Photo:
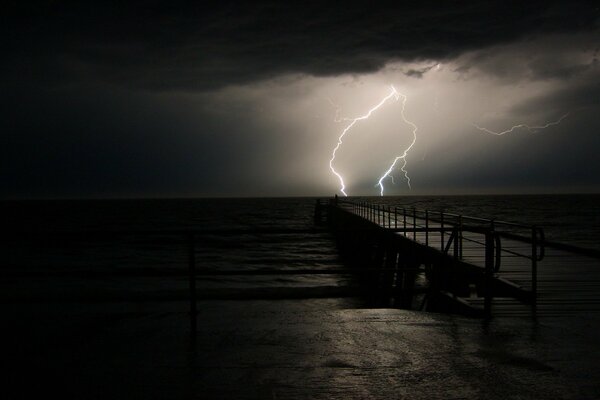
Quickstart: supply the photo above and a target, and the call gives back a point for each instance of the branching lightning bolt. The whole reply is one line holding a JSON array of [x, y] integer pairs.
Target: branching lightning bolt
[[405, 153], [393, 95], [521, 126]]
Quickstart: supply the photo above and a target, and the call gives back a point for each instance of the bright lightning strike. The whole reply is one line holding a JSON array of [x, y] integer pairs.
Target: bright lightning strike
[[393, 95], [522, 126], [405, 153]]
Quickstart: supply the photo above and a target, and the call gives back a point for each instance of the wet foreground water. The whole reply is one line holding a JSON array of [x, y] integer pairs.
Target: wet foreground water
[[294, 349]]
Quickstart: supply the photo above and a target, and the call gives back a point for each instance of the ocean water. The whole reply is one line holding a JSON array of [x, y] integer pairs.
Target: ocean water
[[78, 261], [95, 247]]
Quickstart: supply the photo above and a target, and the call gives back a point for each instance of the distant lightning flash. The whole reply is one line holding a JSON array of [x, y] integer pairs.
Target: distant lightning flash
[[394, 95], [522, 126], [404, 154]]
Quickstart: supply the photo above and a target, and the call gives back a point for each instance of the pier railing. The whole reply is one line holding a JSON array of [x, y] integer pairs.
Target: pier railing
[[497, 246]]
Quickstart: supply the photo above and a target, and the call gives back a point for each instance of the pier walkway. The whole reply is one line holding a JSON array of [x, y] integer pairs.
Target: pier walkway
[[483, 266]]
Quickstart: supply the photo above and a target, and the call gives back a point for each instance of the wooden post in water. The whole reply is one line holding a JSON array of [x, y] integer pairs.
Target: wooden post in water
[[192, 283], [442, 231], [460, 238], [456, 247], [426, 227], [534, 255], [414, 224], [489, 268]]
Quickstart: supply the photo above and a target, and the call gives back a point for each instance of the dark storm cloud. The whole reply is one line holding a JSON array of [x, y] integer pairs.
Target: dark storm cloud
[[204, 45], [92, 93], [549, 57], [419, 72]]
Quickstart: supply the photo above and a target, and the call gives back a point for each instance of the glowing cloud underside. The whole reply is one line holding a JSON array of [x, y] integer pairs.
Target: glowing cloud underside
[[392, 96], [521, 126]]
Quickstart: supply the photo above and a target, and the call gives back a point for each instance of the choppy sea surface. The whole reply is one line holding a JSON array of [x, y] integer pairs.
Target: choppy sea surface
[[113, 236]]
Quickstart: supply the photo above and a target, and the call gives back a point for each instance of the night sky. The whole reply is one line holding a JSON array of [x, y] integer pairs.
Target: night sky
[[155, 99]]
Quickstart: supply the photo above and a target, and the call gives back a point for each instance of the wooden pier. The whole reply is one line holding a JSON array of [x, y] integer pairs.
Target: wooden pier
[[437, 261]]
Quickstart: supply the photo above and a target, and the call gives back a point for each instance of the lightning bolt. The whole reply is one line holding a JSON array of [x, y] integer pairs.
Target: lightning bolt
[[532, 129], [393, 95], [405, 153]]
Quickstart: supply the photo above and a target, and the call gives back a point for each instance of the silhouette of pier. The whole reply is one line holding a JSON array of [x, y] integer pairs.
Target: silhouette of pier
[[439, 261]]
